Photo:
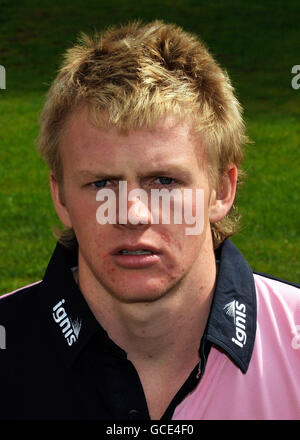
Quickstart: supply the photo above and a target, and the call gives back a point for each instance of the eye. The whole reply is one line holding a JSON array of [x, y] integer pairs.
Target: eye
[[100, 183], [165, 180]]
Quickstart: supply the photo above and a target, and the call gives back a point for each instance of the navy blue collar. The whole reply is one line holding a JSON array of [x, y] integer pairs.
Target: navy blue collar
[[232, 321]]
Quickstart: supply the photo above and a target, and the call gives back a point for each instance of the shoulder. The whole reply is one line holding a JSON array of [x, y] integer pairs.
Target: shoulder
[[19, 294], [277, 281], [278, 310], [278, 291], [14, 304]]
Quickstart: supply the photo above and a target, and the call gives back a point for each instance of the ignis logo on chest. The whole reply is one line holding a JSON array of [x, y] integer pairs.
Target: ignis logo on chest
[[70, 329], [238, 313]]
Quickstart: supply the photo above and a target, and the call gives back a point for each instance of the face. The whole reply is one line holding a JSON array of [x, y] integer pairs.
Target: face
[[164, 158]]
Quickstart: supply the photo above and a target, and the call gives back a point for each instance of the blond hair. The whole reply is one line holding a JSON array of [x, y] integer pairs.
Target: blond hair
[[138, 74]]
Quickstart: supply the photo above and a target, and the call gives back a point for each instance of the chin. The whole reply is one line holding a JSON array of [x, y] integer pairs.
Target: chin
[[145, 292]]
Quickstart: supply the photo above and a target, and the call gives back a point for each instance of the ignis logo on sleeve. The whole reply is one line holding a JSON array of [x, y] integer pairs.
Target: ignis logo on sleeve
[[70, 329], [238, 313]]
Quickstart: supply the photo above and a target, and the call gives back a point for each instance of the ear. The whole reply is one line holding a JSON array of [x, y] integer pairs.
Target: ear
[[59, 204], [221, 202]]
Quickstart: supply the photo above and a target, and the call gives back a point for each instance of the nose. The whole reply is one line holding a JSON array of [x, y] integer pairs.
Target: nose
[[134, 211]]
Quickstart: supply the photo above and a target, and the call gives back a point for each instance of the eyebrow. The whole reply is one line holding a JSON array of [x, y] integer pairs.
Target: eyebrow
[[184, 172], [96, 175]]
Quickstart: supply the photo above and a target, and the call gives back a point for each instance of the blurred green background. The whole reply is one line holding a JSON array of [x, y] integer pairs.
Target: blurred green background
[[256, 42]]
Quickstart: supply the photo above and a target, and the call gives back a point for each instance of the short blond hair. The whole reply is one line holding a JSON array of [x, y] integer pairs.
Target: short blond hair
[[138, 74]]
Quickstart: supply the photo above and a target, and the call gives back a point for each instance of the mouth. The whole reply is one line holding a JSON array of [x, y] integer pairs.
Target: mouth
[[136, 257], [138, 249], [138, 252]]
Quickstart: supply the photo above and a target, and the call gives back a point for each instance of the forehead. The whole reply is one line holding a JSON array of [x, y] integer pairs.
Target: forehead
[[169, 142]]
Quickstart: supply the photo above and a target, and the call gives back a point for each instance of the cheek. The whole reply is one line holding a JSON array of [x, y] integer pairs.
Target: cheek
[[83, 217], [97, 253], [196, 204], [188, 247], [173, 239], [183, 249], [108, 271]]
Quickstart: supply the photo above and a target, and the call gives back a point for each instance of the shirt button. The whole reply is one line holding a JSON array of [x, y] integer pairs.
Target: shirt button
[[133, 414]]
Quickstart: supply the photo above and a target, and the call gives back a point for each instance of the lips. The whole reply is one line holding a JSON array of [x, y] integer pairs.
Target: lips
[[137, 249], [138, 252], [138, 256]]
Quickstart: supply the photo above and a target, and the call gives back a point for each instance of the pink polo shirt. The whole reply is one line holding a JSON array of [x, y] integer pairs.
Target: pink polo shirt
[[270, 388]]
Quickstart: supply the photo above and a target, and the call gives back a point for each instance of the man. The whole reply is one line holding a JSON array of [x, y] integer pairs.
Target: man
[[137, 318]]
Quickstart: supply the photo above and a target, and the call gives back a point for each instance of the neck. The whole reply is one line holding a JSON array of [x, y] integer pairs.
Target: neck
[[162, 330]]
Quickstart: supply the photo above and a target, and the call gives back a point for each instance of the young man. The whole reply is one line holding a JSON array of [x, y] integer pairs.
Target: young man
[[137, 317]]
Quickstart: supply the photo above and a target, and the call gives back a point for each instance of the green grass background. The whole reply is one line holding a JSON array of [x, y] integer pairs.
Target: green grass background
[[257, 42]]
